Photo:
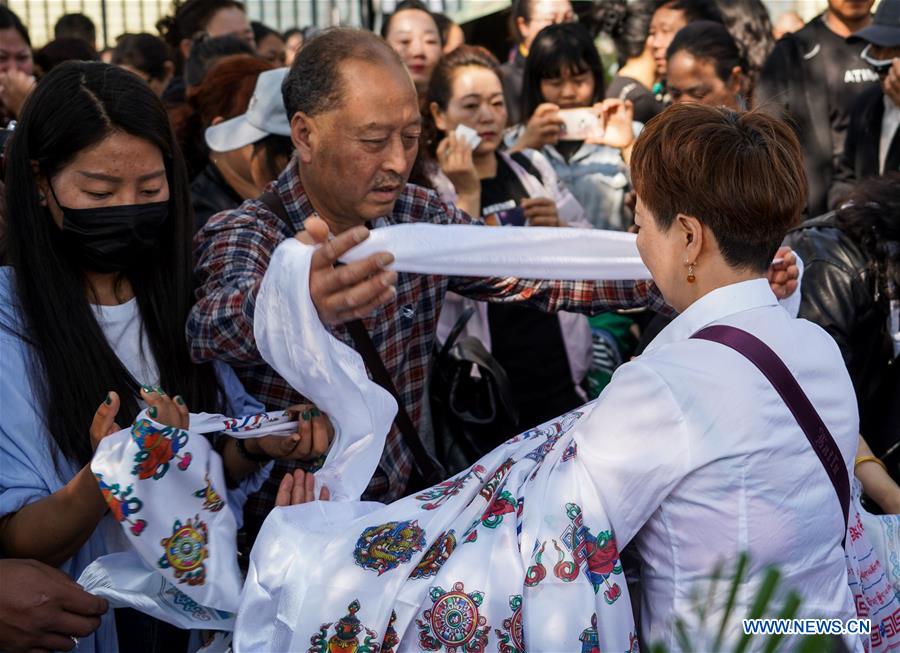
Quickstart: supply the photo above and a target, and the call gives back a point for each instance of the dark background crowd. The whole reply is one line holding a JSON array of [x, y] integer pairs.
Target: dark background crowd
[[835, 80]]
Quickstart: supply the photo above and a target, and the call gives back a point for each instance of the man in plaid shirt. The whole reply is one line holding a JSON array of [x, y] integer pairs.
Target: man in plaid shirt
[[355, 123]]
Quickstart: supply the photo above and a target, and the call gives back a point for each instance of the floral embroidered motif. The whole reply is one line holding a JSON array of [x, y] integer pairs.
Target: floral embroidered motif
[[596, 555], [122, 505], [158, 447], [211, 500], [492, 517]]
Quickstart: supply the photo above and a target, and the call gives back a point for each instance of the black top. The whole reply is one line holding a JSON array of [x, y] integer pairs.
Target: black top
[[861, 148], [528, 343], [846, 77], [813, 78], [839, 295], [210, 194], [646, 104]]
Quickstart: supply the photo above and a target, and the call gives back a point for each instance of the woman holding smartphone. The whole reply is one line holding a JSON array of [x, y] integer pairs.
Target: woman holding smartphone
[[545, 356], [562, 101]]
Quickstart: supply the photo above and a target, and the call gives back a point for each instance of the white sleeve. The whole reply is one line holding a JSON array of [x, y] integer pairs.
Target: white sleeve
[[634, 446]]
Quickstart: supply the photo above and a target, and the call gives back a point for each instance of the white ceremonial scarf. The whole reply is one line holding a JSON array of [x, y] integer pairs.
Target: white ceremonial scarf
[[525, 252], [165, 485], [337, 572], [166, 488]]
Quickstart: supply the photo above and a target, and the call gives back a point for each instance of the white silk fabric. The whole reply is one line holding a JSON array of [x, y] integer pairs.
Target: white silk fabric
[[166, 488], [534, 559], [525, 252]]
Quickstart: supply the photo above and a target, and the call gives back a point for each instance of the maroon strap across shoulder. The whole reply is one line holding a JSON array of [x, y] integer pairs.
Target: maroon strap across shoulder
[[774, 369]]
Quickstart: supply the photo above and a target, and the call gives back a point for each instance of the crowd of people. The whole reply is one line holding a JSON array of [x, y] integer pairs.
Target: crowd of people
[[149, 187]]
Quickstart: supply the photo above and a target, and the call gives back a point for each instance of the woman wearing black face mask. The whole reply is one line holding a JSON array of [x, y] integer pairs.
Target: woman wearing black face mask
[[92, 309]]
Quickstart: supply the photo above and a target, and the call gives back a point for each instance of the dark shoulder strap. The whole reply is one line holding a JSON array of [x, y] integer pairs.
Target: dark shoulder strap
[[772, 367], [276, 206], [526, 163], [430, 470]]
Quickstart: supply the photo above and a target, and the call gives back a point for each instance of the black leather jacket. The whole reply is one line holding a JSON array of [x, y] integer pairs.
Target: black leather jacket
[[211, 194], [839, 294]]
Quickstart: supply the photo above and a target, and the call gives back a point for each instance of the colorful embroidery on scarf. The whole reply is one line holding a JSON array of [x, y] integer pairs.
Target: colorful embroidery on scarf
[[536, 572], [453, 622], [633, 646], [590, 638], [158, 447], [122, 505], [492, 517], [391, 638], [248, 423], [345, 638], [565, 570], [387, 546], [512, 638], [211, 500], [436, 556], [570, 452], [442, 492], [185, 551], [597, 555], [487, 492]]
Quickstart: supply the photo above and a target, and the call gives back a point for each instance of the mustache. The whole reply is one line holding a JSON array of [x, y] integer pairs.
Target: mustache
[[388, 180]]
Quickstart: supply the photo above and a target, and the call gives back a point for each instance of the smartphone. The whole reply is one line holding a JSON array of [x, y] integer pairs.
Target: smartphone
[[505, 214], [577, 124]]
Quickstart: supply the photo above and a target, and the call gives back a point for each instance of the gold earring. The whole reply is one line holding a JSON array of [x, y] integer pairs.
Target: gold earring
[[690, 277]]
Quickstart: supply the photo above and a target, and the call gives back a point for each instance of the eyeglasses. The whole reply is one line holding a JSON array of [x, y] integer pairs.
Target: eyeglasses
[[880, 66]]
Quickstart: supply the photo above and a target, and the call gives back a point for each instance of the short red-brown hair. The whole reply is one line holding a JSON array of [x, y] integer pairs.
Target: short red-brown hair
[[740, 174]]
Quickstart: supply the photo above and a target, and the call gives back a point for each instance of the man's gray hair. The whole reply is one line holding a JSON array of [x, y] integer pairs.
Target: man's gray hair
[[314, 84]]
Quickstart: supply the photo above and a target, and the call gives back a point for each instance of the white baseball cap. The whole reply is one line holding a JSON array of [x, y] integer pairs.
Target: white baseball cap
[[265, 116]]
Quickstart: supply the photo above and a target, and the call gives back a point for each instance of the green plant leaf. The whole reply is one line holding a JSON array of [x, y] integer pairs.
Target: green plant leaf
[[736, 581], [788, 611], [766, 591]]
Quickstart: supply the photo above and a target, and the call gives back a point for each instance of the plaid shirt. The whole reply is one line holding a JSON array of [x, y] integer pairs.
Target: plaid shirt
[[233, 251]]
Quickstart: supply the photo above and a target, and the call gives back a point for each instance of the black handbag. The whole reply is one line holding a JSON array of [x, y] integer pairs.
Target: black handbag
[[472, 405]]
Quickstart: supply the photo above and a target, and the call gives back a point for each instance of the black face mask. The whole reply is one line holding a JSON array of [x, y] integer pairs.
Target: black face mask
[[111, 238]]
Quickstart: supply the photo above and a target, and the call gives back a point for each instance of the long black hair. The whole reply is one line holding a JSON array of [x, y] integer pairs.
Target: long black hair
[[628, 23], [869, 218], [710, 41], [8, 19], [750, 26], [556, 48], [75, 107]]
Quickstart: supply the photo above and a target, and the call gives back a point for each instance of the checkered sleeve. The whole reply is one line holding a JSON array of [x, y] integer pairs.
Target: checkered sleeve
[[232, 252], [575, 296]]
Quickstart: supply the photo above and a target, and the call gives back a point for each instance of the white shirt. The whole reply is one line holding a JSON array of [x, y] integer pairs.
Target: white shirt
[[699, 459], [124, 332], [889, 123]]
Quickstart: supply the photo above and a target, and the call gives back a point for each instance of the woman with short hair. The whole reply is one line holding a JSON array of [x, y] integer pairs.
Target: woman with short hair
[[698, 451]]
